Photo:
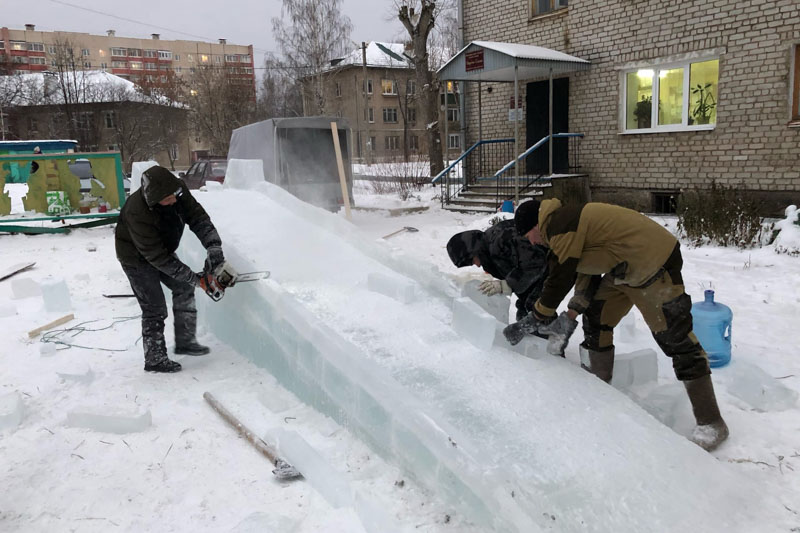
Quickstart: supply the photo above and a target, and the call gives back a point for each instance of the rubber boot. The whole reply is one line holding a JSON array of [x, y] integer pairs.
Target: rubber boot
[[155, 347], [711, 429], [185, 330], [600, 363]]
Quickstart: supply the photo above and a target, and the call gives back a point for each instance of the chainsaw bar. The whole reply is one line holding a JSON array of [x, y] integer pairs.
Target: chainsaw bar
[[250, 276]]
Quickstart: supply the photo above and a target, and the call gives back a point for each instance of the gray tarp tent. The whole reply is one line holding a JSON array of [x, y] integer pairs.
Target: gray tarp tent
[[299, 156]]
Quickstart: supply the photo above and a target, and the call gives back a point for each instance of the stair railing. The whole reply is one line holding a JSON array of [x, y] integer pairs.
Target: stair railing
[[471, 165]]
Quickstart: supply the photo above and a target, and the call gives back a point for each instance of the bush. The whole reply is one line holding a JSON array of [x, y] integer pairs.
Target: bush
[[720, 215], [401, 178]]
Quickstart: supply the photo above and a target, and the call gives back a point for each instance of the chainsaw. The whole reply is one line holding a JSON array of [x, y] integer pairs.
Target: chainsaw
[[224, 276]]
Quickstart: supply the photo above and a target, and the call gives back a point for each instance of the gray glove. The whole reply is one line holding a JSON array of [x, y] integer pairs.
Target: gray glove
[[515, 332], [558, 332], [492, 287], [215, 258]]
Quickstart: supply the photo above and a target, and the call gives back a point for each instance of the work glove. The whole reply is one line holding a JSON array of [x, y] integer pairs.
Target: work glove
[[215, 258], [558, 333], [492, 287], [528, 325]]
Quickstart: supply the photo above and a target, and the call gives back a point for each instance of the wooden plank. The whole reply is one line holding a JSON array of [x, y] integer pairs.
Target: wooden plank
[[16, 269], [63, 320], [340, 164]]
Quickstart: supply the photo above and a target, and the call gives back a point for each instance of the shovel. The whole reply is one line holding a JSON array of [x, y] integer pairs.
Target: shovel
[[406, 228]]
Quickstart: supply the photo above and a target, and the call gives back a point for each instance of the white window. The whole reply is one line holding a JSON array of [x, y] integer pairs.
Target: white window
[[87, 64], [151, 53], [539, 7], [164, 54], [119, 64], [177, 69], [411, 115], [163, 79], [164, 67], [454, 141], [390, 115], [136, 65], [150, 66], [177, 57], [391, 142], [119, 52], [18, 45], [85, 52], [103, 66], [52, 49], [248, 70], [413, 142], [369, 115], [19, 59], [134, 52], [2, 45], [244, 58], [36, 47], [389, 88], [231, 58], [203, 58], [453, 114], [369, 86], [671, 97], [110, 119], [189, 58], [217, 59], [33, 60], [411, 87]]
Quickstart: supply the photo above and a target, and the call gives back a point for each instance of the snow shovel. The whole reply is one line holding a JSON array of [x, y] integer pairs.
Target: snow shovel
[[406, 228], [283, 470]]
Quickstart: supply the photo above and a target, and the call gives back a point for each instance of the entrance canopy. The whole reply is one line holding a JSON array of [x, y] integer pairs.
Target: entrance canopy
[[492, 61]]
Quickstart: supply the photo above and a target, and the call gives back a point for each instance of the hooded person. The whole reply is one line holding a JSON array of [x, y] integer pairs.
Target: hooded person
[[148, 232], [617, 258], [517, 265]]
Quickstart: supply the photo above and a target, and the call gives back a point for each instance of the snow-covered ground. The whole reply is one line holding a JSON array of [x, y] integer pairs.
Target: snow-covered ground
[[190, 472]]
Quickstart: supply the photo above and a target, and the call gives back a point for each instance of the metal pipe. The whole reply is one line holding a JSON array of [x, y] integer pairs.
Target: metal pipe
[[550, 142], [516, 133], [367, 146]]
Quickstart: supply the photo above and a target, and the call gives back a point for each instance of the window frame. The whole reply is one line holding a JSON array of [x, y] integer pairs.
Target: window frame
[[657, 66], [794, 80], [393, 88], [453, 145], [411, 115], [555, 6], [389, 111]]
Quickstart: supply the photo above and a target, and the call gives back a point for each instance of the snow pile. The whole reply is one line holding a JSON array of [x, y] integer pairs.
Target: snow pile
[[788, 240], [512, 443]]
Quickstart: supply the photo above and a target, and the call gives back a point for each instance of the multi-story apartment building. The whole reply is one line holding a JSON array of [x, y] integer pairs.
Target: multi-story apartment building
[[677, 94], [138, 60], [380, 100]]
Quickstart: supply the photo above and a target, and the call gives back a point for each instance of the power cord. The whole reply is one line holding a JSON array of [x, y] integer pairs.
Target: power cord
[[55, 336]]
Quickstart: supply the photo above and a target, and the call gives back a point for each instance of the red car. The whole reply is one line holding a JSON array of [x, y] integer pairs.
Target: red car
[[206, 170]]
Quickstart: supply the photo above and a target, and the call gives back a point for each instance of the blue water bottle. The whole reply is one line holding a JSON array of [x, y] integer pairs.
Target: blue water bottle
[[712, 325]]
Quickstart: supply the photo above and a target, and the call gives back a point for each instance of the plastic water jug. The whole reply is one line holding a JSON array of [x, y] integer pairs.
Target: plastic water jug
[[712, 325], [507, 206]]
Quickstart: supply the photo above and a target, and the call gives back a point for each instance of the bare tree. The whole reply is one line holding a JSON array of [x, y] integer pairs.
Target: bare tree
[[279, 95], [419, 19], [219, 104], [310, 33]]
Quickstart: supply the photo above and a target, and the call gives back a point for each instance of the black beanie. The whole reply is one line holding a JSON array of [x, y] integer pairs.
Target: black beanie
[[462, 247], [527, 216]]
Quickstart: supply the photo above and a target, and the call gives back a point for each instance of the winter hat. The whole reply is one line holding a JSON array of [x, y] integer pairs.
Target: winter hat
[[158, 183], [462, 247], [527, 216]]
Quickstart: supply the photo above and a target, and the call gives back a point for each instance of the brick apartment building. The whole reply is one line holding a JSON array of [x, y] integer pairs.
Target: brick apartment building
[[389, 120], [678, 93], [137, 60]]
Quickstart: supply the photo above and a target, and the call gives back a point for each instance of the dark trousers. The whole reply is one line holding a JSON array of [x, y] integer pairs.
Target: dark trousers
[[665, 307], [146, 282]]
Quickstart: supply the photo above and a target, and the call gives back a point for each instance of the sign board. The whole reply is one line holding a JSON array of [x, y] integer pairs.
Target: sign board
[[474, 60], [515, 115]]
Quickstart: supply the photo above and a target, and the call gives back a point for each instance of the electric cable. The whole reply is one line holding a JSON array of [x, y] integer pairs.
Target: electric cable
[[55, 336]]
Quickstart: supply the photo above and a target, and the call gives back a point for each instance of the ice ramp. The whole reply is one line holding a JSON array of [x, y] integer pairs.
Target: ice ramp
[[512, 443]]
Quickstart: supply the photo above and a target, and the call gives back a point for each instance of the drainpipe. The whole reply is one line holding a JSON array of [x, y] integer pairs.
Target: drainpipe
[[462, 86], [516, 133], [550, 141]]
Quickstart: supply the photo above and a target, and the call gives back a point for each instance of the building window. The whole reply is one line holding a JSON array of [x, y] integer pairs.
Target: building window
[[244, 58], [454, 141], [231, 58], [37, 60], [85, 52], [119, 64], [151, 53], [119, 52], [371, 143], [136, 65], [103, 66], [338, 89], [33, 124], [665, 202], [540, 7], [113, 148], [134, 52], [413, 142], [177, 57], [164, 67], [150, 66], [2, 45], [85, 120], [388, 87], [453, 114], [369, 115], [411, 87], [248, 70], [390, 115], [52, 49], [18, 45], [670, 98], [217, 59], [796, 85], [369, 86], [87, 64], [391, 142], [110, 119], [35, 47], [164, 54], [411, 115], [19, 59], [203, 58]]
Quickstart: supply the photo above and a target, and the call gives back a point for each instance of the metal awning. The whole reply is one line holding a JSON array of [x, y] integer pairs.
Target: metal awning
[[493, 61]]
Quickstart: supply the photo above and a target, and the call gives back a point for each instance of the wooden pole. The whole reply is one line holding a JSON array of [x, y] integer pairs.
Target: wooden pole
[[63, 320], [342, 175]]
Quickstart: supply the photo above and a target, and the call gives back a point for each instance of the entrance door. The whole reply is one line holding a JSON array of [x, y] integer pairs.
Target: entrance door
[[537, 127]]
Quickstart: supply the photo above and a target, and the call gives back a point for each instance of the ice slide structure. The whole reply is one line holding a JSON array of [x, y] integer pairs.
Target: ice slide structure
[[365, 335]]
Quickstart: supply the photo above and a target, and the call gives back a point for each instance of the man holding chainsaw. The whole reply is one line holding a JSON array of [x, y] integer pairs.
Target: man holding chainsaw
[[149, 230], [617, 258]]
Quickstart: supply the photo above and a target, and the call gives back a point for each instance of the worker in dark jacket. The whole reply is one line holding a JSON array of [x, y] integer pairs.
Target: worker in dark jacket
[[617, 258], [149, 230], [519, 266]]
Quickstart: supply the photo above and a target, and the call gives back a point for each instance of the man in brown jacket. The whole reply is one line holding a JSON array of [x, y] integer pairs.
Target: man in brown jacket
[[617, 258]]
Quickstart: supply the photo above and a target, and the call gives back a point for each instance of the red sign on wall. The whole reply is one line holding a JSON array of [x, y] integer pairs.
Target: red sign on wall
[[474, 60]]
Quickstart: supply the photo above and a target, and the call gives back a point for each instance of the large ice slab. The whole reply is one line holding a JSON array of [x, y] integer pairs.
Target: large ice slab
[[508, 441], [496, 305], [473, 323], [56, 296], [11, 410], [110, 419], [758, 389], [635, 369], [401, 289], [25, 288]]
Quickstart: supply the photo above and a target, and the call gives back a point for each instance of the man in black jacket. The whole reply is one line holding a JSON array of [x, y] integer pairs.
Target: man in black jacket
[[519, 266], [149, 230]]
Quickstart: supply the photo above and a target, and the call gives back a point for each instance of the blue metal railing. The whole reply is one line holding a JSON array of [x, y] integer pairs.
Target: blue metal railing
[[541, 142], [478, 160]]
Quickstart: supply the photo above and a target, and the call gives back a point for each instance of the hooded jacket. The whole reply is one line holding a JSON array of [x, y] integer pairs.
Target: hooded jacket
[[148, 232], [508, 256], [589, 240]]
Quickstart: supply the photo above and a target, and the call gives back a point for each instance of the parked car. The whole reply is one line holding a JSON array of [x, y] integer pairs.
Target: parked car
[[82, 168], [206, 170]]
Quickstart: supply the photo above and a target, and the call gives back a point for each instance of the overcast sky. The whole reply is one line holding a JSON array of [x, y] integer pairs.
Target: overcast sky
[[239, 21]]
